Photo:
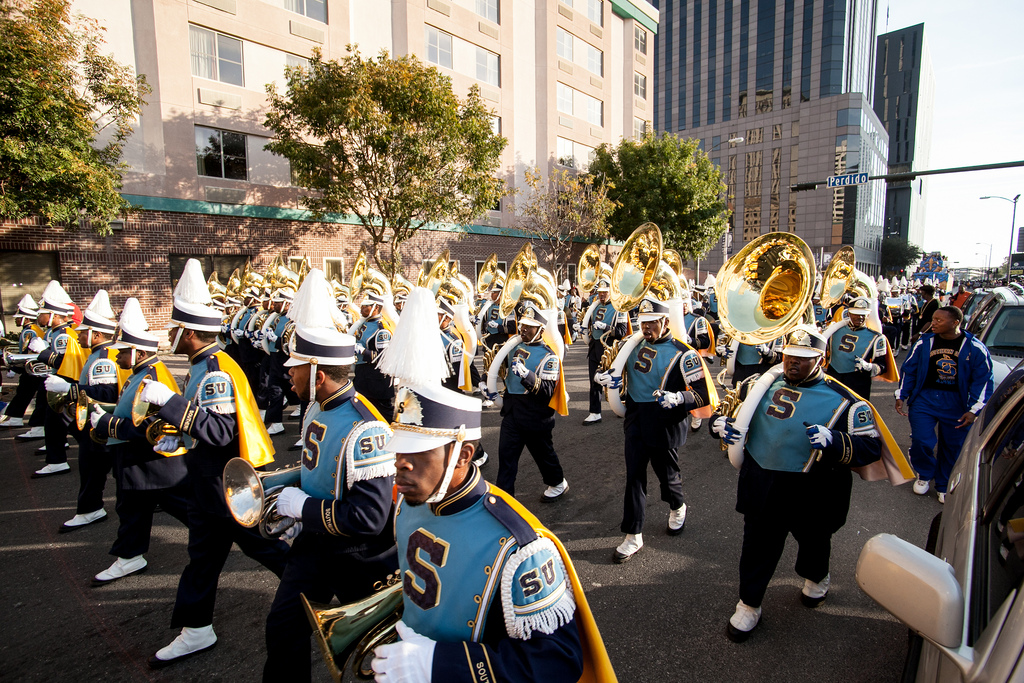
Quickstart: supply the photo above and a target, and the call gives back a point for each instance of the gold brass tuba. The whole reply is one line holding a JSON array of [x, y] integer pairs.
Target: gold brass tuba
[[347, 634], [488, 271], [841, 277], [157, 428], [438, 273], [526, 281], [251, 496], [674, 261], [590, 269]]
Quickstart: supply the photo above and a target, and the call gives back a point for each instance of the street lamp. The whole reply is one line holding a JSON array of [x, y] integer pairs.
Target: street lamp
[[1013, 223]]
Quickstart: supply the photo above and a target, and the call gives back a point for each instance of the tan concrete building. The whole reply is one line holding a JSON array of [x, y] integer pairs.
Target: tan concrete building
[[562, 76]]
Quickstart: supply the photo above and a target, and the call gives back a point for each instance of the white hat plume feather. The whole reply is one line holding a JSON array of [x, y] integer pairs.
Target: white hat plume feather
[[55, 294], [313, 305], [192, 288], [415, 355], [100, 305], [132, 317]]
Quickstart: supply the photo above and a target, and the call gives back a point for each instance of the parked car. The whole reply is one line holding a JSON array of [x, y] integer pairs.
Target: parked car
[[998, 322], [964, 599], [971, 305]]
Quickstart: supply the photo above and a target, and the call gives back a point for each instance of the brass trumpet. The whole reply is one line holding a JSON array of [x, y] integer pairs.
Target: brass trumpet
[[28, 361], [348, 634], [82, 409], [157, 429], [251, 496]]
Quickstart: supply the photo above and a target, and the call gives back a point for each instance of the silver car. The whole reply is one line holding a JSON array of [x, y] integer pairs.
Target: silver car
[[964, 599], [998, 321]]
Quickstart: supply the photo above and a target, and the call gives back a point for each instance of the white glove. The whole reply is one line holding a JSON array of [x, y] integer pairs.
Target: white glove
[[725, 352], [408, 661], [292, 532], [493, 326], [94, 419], [290, 501], [670, 399], [57, 385], [607, 379], [519, 368], [576, 327], [763, 349], [359, 349], [819, 436], [155, 393], [719, 425], [475, 320], [37, 345], [482, 386], [167, 444], [600, 325], [865, 366], [271, 336]]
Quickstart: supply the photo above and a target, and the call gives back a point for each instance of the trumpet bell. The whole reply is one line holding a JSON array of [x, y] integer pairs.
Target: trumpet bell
[[141, 409], [765, 290], [251, 496]]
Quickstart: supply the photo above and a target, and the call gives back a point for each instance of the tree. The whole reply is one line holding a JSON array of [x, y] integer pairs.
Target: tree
[[669, 181], [897, 254], [66, 111], [562, 208], [386, 140]]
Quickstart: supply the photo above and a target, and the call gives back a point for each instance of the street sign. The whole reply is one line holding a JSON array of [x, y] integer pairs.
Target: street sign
[[1017, 265], [848, 179]]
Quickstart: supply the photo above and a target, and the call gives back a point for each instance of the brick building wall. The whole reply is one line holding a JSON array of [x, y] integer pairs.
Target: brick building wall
[[134, 260]]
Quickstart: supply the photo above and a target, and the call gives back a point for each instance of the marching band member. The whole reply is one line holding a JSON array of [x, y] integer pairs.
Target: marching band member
[[144, 478], [248, 356], [343, 539], [606, 325], [820, 312], [533, 390], [29, 386], [218, 420], [101, 380], [58, 345], [856, 353], [496, 330], [805, 435], [452, 345], [273, 364], [468, 617], [372, 335], [666, 380]]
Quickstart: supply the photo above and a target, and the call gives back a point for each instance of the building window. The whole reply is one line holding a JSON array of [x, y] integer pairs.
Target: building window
[[215, 56], [639, 128], [220, 154], [488, 67], [576, 103], [595, 11], [314, 9], [640, 85], [640, 40], [295, 61], [595, 60], [573, 154], [334, 268], [564, 99], [488, 9], [439, 47], [595, 110], [564, 44], [496, 124]]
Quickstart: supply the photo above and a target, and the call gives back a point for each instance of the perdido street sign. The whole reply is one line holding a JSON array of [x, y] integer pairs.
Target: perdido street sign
[[848, 179]]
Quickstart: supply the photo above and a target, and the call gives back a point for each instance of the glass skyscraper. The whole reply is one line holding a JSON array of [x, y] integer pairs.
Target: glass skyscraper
[[794, 80]]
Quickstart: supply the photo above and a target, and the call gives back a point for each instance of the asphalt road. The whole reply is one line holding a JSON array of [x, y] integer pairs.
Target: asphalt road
[[662, 615]]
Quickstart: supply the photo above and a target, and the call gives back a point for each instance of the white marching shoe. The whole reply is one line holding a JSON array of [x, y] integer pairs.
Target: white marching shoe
[[592, 418], [122, 567], [276, 428], [695, 423], [78, 521], [50, 470], [628, 548], [190, 642], [813, 594], [32, 434], [742, 622], [12, 421], [676, 521], [296, 414], [553, 493]]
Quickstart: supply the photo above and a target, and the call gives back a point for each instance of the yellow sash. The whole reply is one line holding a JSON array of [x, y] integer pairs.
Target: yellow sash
[[254, 444], [710, 351], [567, 336], [164, 376], [560, 399], [74, 358], [122, 374], [891, 374], [597, 667]]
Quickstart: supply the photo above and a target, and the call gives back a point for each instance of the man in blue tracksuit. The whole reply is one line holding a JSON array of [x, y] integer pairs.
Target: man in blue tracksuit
[[946, 381]]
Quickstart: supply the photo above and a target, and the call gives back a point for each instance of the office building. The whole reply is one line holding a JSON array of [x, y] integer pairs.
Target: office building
[[562, 77], [793, 79], [904, 100]]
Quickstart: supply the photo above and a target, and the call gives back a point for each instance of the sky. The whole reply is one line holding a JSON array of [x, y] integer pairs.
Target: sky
[[978, 59]]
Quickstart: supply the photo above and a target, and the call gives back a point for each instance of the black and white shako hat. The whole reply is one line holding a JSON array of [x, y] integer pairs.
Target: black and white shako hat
[[652, 309], [132, 333], [430, 416], [27, 307], [56, 300], [99, 316], [193, 306]]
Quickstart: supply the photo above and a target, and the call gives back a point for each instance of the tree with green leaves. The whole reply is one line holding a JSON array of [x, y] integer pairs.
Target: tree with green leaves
[[897, 254], [388, 141], [562, 208], [66, 111], [669, 181]]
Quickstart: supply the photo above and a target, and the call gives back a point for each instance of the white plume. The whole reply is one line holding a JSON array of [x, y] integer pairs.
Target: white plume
[[313, 305], [416, 355], [100, 305], [191, 288], [27, 303], [132, 318], [55, 294]]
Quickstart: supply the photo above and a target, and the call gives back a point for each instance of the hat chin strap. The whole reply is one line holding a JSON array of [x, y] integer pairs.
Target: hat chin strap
[[312, 384], [449, 470], [177, 339], [133, 357]]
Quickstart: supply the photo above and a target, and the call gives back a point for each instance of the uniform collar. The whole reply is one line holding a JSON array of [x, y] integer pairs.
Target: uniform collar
[[203, 353], [345, 393], [101, 347], [815, 378], [472, 490], [143, 365]]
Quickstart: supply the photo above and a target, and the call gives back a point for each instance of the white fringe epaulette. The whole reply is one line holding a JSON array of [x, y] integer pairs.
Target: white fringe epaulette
[[217, 399], [374, 462], [416, 353], [556, 606], [192, 288]]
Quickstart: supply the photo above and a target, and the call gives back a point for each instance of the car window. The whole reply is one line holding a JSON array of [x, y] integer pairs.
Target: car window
[[972, 304], [984, 316], [1005, 334]]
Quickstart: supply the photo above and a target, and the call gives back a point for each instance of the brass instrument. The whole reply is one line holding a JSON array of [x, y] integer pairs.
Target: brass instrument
[[842, 277], [401, 286], [28, 361], [82, 409], [488, 272], [251, 496], [526, 281], [157, 428], [355, 280], [432, 277], [217, 290], [674, 261], [590, 269], [60, 403], [348, 634]]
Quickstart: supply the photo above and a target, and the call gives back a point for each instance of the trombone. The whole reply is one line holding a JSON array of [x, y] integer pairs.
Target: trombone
[[251, 496], [157, 428]]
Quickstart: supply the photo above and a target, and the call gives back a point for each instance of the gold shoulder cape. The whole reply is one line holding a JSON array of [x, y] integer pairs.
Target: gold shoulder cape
[[254, 444]]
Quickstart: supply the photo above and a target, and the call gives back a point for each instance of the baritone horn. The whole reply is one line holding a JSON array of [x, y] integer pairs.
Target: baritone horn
[[348, 634], [251, 496], [82, 409], [157, 428]]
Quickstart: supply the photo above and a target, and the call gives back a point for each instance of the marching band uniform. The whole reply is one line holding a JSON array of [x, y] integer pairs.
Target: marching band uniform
[[532, 388], [29, 385], [754, 359], [277, 382], [697, 329], [856, 354], [248, 356], [344, 541], [497, 330], [453, 350], [606, 325], [372, 337], [218, 420], [144, 479], [667, 380], [820, 312], [801, 443]]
